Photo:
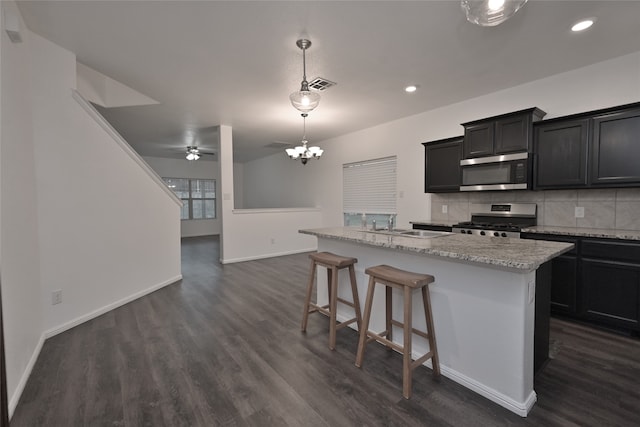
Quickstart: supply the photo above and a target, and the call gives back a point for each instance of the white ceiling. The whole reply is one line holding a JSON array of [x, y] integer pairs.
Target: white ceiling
[[235, 62]]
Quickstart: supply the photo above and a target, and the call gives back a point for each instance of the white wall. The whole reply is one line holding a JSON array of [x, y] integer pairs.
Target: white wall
[[21, 289], [601, 85], [258, 233], [200, 169], [79, 214], [107, 229], [290, 192]]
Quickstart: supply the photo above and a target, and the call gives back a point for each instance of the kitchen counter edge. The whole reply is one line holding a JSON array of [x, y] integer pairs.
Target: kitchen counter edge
[[514, 254]]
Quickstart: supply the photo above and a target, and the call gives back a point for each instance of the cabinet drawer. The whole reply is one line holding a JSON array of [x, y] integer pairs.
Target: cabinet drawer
[[623, 251]]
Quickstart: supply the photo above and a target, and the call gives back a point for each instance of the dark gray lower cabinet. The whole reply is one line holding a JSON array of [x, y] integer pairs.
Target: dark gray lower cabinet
[[597, 282], [611, 292], [611, 282], [564, 272]]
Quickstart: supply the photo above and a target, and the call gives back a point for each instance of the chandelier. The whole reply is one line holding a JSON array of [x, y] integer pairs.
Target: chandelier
[[193, 153], [489, 13], [304, 100], [303, 152]]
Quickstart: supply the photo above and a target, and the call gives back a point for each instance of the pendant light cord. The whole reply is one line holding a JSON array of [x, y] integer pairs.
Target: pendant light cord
[[304, 129]]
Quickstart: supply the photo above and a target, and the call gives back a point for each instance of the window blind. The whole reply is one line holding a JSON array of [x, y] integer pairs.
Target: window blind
[[370, 186]]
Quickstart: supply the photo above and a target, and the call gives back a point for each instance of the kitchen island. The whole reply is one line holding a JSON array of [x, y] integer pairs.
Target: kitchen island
[[483, 300]]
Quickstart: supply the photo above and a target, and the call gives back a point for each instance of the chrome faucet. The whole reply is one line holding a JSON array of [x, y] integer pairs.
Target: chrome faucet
[[373, 222], [390, 225]]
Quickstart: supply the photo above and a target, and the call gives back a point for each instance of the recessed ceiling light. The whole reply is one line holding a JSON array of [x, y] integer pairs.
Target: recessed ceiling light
[[583, 25], [411, 88]]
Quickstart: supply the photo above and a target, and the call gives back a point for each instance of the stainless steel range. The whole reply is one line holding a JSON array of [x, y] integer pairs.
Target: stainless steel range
[[499, 219]]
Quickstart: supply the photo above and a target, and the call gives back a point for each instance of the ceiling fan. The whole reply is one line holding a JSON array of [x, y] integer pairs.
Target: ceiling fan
[[194, 153]]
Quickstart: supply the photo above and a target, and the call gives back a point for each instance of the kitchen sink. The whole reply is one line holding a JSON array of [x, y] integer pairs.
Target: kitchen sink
[[421, 234]]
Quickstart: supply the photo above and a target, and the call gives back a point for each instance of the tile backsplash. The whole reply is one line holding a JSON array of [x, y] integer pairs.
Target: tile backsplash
[[603, 208]]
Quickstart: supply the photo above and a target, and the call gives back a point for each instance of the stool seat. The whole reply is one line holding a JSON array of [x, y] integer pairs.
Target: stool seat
[[332, 260], [332, 263], [407, 282], [401, 277]]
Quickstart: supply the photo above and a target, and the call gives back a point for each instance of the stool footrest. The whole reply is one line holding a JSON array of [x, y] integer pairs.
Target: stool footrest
[[419, 361], [414, 330], [325, 310], [381, 339], [346, 323], [345, 302]]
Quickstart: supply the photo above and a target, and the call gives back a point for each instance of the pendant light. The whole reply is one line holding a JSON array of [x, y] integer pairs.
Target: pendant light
[[489, 13], [303, 152], [304, 100]]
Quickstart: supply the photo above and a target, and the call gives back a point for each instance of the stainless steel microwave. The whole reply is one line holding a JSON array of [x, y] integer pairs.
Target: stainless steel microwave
[[505, 172]]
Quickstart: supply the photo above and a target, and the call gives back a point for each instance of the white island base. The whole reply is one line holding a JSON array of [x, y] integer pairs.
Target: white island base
[[483, 318]]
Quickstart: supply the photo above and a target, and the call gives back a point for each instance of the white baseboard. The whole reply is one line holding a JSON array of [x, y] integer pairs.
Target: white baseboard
[[15, 398], [81, 319], [520, 408], [270, 255]]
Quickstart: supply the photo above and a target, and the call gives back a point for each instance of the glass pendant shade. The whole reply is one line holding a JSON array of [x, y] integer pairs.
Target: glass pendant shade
[[304, 100], [489, 13]]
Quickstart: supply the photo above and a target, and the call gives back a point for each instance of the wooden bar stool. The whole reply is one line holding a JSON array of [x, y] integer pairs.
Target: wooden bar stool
[[332, 263], [407, 282]]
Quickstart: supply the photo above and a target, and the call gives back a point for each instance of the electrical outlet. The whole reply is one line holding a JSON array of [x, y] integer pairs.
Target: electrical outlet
[[579, 212], [445, 208], [56, 297], [273, 241]]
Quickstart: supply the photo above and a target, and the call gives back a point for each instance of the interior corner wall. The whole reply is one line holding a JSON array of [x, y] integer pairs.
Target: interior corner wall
[[201, 169], [108, 232], [605, 84], [20, 261]]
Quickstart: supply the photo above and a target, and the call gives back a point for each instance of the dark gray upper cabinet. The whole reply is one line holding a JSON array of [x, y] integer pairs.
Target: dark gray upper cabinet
[[507, 133], [478, 140], [442, 165], [560, 154], [596, 149], [615, 160]]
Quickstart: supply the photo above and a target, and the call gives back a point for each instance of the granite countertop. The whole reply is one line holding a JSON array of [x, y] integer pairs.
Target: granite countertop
[[518, 254], [585, 232]]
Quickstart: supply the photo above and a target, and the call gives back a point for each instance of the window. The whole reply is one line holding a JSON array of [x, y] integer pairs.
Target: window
[[198, 197], [369, 187]]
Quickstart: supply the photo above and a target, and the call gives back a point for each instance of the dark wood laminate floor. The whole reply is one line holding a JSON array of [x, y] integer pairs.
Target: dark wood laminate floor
[[223, 347]]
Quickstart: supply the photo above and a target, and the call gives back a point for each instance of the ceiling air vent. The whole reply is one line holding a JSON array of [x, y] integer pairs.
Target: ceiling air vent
[[321, 84]]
